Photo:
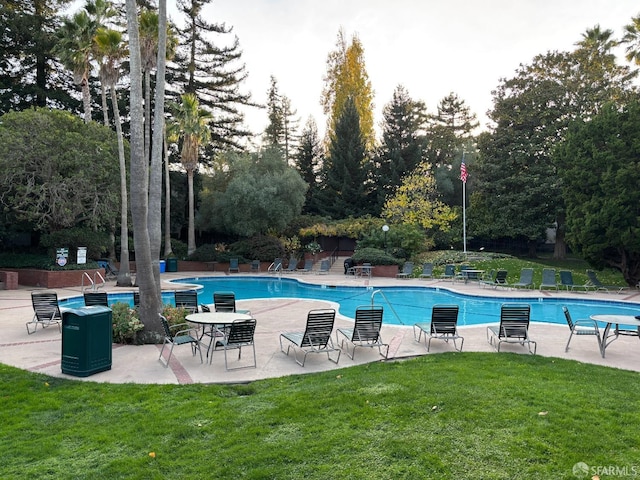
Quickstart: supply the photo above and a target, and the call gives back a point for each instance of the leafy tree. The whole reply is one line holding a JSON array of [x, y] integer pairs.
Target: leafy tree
[[308, 159], [416, 202], [518, 193], [599, 165], [51, 186], [190, 123], [263, 194], [403, 142], [347, 80], [212, 73], [345, 190], [30, 76]]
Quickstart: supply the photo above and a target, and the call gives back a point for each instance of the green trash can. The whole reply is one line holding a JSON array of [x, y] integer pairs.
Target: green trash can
[[172, 264], [87, 335]]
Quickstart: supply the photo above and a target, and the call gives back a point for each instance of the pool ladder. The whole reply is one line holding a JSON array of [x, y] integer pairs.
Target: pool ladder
[[94, 283], [381, 293]]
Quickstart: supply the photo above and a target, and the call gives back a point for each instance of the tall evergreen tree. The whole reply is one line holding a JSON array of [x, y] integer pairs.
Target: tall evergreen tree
[[280, 132], [449, 137], [308, 159], [402, 145], [212, 73], [345, 190], [30, 75]]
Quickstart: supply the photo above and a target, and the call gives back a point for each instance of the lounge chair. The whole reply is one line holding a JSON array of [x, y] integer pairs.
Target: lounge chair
[[548, 279], [513, 327], [526, 279], [365, 331], [308, 266], [566, 280], [187, 299], [276, 266], [181, 334], [96, 298], [241, 334], [255, 266], [291, 267], [110, 270], [407, 270], [325, 266], [234, 265], [597, 284], [427, 270], [500, 280], [449, 272], [488, 278], [46, 311], [443, 326], [316, 337], [584, 326]]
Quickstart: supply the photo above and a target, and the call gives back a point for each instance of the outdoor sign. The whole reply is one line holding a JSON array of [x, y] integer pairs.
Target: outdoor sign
[[82, 255], [62, 256]]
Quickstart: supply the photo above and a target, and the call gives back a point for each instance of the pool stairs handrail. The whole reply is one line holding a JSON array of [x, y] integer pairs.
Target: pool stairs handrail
[[388, 303], [93, 284]]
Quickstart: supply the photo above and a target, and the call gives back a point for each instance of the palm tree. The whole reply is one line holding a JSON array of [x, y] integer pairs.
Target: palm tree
[[154, 32], [191, 124], [632, 39], [110, 50], [75, 44]]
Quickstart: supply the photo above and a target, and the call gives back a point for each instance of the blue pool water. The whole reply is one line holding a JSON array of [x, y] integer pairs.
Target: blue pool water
[[402, 305]]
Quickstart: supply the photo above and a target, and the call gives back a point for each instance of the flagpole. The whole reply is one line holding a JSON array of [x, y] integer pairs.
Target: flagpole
[[463, 177]]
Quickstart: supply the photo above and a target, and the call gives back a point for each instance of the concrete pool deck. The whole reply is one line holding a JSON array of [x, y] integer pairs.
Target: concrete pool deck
[[41, 351]]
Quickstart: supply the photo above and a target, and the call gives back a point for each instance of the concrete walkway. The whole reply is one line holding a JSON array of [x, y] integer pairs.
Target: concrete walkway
[[41, 352]]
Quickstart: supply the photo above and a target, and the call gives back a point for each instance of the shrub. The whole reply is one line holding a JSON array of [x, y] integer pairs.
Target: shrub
[[96, 242], [126, 323], [204, 253], [261, 247], [174, 315], [375, 257]]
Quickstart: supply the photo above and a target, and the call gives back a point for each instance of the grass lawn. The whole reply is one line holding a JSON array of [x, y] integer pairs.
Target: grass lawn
[[445, 416]]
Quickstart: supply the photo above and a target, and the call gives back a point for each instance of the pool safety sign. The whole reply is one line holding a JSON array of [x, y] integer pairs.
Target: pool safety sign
[[62, 256], [82, 255]]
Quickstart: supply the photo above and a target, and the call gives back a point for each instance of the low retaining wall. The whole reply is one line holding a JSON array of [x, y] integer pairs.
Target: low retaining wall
[[53, 279], [9, 280]]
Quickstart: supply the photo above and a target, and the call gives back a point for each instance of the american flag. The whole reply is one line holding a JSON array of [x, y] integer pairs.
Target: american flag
[[463, 172]]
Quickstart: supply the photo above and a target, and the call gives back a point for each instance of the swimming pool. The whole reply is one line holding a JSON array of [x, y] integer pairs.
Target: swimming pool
[[403, 305]]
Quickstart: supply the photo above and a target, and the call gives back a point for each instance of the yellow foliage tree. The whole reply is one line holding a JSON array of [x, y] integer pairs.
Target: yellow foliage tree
[[347, 77], [416, 202]]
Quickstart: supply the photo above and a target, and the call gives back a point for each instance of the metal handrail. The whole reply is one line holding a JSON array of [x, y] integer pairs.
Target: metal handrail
[[85, 274], [388, 303], [95, 283]]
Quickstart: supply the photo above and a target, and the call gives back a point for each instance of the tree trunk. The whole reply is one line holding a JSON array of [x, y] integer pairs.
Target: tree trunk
[[155, 178], [124, 272], [191, 235], [560, 248], [149, 306], [105, 107], [167, 201], [86, 100], [532, 246]]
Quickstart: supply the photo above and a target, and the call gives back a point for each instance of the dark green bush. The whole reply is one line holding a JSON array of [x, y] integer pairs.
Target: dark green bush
[[97, 243], [261, 247], [375, 256], [204, 253], [40, 262]]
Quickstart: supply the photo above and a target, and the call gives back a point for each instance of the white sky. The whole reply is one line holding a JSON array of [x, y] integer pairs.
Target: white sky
[[432, 47]]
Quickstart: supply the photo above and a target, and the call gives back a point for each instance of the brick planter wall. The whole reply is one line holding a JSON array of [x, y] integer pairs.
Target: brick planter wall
[[389, 271], [53, 279]]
